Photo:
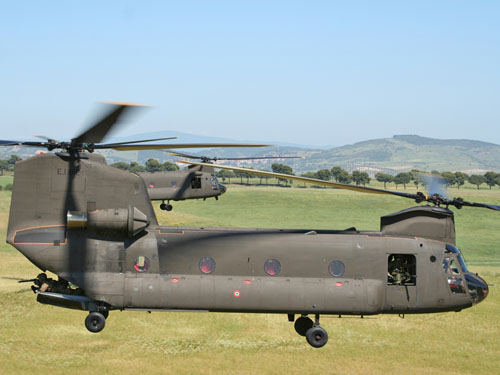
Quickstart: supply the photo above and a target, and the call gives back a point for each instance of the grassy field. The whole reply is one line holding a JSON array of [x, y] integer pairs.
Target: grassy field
[[43, 339]]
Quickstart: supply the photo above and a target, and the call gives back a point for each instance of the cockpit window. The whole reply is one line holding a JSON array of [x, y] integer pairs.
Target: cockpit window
[[450, 249], [214, 182], [454, 267]]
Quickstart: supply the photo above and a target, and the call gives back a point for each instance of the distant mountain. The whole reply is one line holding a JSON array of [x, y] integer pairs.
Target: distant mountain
[[391, 155]]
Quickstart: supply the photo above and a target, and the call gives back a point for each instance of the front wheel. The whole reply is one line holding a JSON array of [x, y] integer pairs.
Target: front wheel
[[95, 322]]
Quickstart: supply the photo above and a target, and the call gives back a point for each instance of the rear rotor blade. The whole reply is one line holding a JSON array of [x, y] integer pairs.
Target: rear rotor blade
[[418, 197], [313, 181], [98, 131]]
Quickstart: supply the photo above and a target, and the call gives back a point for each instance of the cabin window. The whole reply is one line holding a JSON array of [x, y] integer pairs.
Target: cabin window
[[272, 267], [141, 264], [207, 265], [402, 269], [196, 183], [336, 268]]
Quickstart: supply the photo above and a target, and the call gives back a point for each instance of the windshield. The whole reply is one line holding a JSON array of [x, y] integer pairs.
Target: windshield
[[454, 250]]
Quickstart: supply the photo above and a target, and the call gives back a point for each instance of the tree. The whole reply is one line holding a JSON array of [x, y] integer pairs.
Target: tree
[[309, 174], [460, 179], [383, 177], [336, 172], [240, 175], [153, 165], [4, 166], [223, 174], [121, 165], [12, 161], [402, 178], [477, 179], [344, 177], [449, 178], [323, 174], [360, 178], [169, 166], [283, 169], [490, 178], [136, 168]]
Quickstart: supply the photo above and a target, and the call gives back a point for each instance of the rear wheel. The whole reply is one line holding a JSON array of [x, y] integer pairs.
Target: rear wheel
[[316, 337]]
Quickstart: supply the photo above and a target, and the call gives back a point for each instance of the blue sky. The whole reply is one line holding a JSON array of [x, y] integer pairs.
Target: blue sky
[[315, 72]]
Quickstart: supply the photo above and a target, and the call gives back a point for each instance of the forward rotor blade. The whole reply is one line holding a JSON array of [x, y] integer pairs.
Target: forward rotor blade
[[10, 143], [23, 143], [44, 137], [181, 145], [108, 145], [98, 131]]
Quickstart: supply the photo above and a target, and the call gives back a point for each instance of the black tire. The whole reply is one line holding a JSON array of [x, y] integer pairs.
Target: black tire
[[163, 206], [302, 325], [105, 313], [169, 207], [95, 322], [316, 337]]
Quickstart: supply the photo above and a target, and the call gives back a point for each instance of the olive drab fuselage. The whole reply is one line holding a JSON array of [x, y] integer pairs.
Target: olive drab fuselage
[[193, 183], [94, 226]]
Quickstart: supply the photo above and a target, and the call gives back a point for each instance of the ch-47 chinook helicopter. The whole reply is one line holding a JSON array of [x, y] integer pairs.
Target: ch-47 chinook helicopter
[[197, 182], [95, 228]]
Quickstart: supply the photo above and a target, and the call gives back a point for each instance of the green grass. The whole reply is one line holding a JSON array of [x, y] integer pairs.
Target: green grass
[[5, 180], [37, 339]]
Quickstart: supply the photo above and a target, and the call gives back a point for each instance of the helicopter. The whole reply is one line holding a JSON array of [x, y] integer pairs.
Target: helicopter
[[197, 182], [94, 227]]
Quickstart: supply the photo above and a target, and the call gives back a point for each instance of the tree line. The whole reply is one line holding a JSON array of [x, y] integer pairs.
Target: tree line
[[7, 165], [336, 173]]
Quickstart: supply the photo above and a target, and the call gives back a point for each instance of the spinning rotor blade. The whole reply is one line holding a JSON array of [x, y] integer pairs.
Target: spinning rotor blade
[[418, 197], [97, 132], [303, 179], [180, 145], [207, 158], [109, 145]]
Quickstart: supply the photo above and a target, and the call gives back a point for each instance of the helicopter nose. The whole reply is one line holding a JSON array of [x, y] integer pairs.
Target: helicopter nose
[[222, 188], [478, 288]]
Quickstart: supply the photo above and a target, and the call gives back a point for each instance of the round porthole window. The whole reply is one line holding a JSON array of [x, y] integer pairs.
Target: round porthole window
[[272, 267], [336, 268], [207, 265], [142, 264]]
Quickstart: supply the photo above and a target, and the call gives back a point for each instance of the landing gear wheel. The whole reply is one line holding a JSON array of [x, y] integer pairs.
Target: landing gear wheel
[[105, 313], [95, 322], [163, 206], [316, 337], [302, 325], [168, 207]]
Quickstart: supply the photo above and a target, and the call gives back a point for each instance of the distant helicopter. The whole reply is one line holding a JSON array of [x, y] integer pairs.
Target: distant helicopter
[[95, 228], [197, 182]]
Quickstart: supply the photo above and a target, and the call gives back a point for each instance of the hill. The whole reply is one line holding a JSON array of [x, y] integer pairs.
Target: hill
[[391, 155]]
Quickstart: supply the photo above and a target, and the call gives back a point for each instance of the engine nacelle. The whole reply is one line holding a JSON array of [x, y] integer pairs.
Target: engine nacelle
[[119, 221]]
